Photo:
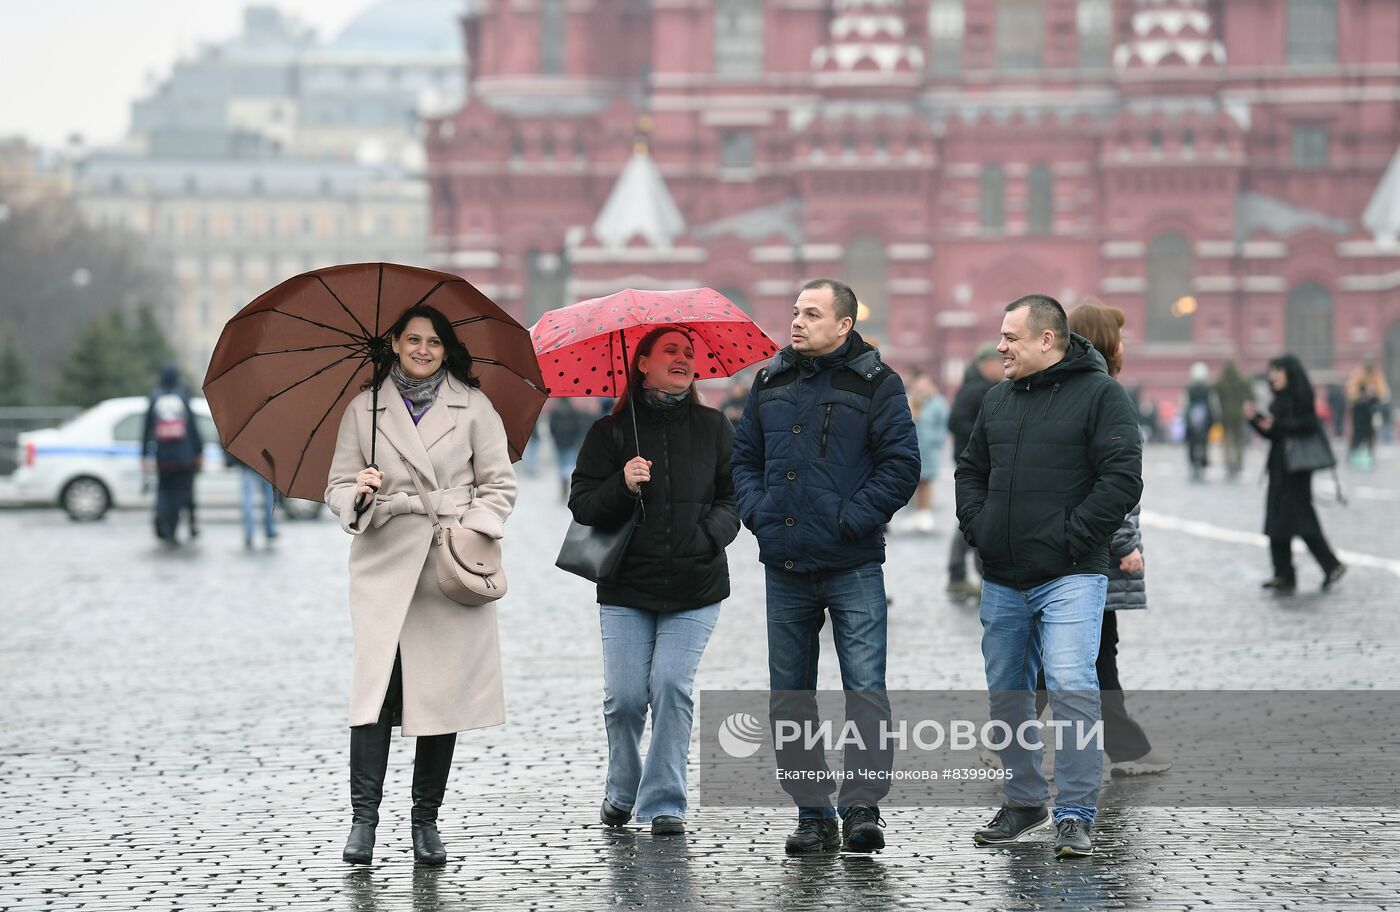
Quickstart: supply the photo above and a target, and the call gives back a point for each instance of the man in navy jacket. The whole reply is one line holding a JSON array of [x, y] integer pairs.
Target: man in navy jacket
[[824, 455]]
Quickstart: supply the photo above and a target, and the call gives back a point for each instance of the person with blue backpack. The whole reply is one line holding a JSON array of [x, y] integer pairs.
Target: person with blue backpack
[[171, 438]]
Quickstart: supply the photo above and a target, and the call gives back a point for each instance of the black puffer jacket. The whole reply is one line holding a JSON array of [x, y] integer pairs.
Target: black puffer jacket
[[1053, 466], [676, 559]]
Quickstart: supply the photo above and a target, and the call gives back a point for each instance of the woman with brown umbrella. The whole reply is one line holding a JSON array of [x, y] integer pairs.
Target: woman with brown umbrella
[[421, 660]]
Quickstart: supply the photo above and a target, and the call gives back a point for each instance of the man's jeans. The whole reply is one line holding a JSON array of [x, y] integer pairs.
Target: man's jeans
[[1054, 627], [797, 607], [254, 486], [649, 660]]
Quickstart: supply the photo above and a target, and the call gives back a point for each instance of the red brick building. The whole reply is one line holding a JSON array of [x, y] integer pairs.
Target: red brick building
[[1202, 164]]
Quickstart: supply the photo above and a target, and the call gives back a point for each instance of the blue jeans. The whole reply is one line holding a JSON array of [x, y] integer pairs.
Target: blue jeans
[[253, 485], [798, 604], [649, 660], [1055, 627]]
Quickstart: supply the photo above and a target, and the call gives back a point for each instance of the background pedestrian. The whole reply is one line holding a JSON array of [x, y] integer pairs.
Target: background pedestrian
[[171, 439], [930, 412], [1288, 509]]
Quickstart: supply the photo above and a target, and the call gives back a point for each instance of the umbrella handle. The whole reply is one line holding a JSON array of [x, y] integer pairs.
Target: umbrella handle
[[362, 502]]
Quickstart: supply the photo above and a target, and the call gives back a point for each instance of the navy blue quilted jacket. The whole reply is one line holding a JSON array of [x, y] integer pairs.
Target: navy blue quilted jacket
[[825, 454]]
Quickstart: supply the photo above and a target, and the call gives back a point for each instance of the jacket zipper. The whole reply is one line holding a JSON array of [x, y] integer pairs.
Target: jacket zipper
[[1053, 390], [826, 423], [1011, 485]]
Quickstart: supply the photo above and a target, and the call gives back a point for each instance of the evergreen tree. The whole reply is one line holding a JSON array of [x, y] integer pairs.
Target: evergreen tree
[[110, 359]]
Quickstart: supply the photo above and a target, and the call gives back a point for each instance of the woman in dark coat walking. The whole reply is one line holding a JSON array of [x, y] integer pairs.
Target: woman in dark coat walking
[[659, 610], [1129, 751], [1289, 507]]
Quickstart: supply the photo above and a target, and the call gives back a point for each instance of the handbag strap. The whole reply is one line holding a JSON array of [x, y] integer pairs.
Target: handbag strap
[[422, 494]]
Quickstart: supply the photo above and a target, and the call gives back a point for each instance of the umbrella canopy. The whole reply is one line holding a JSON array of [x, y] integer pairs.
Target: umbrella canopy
[[288, 363], [583, 349]]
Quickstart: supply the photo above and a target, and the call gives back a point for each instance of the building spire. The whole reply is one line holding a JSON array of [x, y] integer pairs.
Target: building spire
[[640, 204]]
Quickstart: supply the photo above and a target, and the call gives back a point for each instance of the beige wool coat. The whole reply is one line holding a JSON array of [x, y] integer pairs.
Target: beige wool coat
[[451, 653]]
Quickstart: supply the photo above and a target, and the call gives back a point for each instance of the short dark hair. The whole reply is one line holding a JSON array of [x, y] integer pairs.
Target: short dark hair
[[1045, 313], [841, 294]]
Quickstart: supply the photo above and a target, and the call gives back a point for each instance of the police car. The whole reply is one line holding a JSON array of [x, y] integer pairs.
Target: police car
[[93, 463]]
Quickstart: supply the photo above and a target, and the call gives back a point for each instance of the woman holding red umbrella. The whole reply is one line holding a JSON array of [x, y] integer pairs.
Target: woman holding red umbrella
[[422, 661], [660, 607]]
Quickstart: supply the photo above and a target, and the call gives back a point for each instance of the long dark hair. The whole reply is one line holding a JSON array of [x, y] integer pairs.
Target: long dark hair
[[634, 372], [1298, 390], [456, 357]]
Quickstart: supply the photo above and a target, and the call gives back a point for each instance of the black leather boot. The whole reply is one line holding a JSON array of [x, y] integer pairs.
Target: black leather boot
[[432, 762], [369, 759]]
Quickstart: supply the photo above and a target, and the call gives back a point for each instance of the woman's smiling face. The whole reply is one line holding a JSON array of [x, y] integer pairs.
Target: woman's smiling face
[[420, 350], [671, 365]]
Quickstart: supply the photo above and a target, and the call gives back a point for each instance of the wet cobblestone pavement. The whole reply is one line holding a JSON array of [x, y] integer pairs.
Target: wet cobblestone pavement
[[175, 735]]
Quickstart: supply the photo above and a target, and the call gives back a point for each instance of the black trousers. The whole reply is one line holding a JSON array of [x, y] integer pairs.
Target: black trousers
[[1123, 737], [174, 495], [1281, 549], [958, 550]]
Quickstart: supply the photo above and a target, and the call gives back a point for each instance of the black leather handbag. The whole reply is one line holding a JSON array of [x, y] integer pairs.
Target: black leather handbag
[[1308, 452], [596, 554]]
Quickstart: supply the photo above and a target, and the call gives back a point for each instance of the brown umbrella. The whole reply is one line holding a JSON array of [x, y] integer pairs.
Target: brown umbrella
[[288, 363]]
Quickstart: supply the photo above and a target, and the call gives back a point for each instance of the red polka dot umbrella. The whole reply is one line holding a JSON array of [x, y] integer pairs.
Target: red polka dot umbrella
[[583, 348]]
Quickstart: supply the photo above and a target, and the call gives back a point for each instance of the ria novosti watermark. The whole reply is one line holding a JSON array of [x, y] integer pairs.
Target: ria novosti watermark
[[1230, 748]]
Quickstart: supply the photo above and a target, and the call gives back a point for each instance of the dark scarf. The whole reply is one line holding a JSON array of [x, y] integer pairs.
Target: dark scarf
[[418, 395], [663, 401]]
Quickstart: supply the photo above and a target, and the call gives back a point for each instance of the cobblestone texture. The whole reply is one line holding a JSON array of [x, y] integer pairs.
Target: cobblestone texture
[[175, 731]]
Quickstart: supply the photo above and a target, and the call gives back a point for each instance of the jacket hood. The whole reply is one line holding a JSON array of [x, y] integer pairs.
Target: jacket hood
[[1080, 357]]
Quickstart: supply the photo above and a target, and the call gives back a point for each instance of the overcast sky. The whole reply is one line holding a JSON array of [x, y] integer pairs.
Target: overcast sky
[[74, 66]]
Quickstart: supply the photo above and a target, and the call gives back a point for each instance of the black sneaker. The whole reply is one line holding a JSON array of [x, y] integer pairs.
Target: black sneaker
[[1333, 575], [860, 831], [612, 815], [1011, 823], [1281, 585], [813, 835], [1072, 838], [667, 825]]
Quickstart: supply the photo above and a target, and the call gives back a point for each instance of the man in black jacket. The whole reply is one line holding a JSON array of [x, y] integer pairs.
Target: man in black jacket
[[825, 454], [1053, 466], [981, 374]]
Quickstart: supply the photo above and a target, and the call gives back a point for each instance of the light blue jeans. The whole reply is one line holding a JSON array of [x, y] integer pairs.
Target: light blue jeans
[[253, 486], [649, 661], [1054, 626]]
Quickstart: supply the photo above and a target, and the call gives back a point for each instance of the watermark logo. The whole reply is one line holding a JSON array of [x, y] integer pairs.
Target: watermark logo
[[740, 735]]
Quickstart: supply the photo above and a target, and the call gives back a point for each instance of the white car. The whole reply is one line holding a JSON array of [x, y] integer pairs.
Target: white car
[[92, 463]]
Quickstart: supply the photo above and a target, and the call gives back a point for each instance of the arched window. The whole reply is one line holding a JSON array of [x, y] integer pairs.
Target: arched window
[[1307, 328], [1170, 304], [1312, 31], [865, 269], [1040, 200], [1095, 22], [738, 37], [546, 282], [946, 23], [992, 202], [1020, 34], [551, 37]]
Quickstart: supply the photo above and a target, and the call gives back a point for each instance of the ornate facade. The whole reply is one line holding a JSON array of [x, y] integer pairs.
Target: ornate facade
[[1204, 165]]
